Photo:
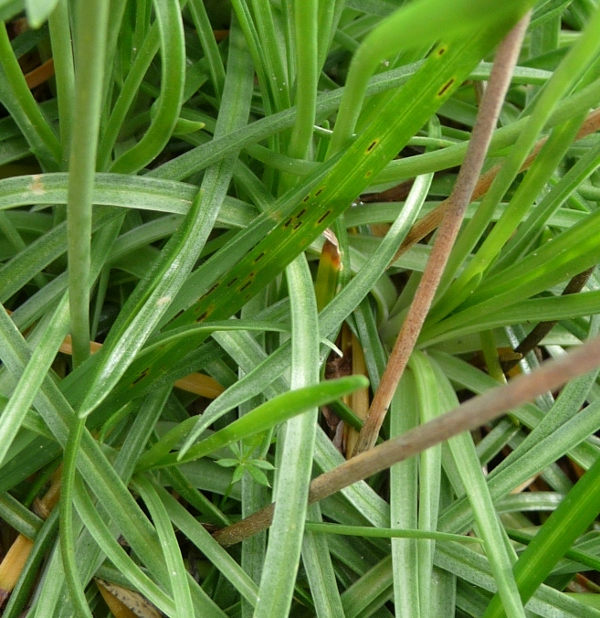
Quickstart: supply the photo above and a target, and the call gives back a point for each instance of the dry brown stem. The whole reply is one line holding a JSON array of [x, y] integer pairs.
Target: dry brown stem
[[551, 375], [487, 118], [543, 328], [432, 219]]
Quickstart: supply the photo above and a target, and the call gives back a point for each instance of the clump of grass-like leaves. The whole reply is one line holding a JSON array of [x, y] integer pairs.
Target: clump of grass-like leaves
[[253, 258]]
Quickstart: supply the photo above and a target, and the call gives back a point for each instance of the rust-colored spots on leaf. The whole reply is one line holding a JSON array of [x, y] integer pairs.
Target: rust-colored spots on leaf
[[319, 191], [212, 289], [232, 282], [141, 376], [203, 317], [323, 217], [245, 285], [442, 91], [371, 146], [259, 257]]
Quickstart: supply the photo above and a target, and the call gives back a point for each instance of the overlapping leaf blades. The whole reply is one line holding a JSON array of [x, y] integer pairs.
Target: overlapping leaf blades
[[268, 194]]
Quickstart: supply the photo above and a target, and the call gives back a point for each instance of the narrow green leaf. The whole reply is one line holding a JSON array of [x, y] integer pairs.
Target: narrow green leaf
[[555, 537], [500, 554], [268, 415], [170, 27], [309, 213], [173, 558], [388, 533], [295, 451], [30, 381], [38, 11]]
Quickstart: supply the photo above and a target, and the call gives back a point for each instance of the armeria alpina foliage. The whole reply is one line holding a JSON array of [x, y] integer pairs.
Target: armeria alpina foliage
[[216, 225]]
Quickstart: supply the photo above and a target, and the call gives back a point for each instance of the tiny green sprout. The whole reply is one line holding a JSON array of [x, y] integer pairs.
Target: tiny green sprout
[[183, 126], [243, 462]]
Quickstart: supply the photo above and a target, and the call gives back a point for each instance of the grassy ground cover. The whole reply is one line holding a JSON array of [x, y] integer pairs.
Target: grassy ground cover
[[299, 308]]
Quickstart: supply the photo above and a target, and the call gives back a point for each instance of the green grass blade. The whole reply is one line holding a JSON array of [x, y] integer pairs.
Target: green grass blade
[[307, 75], [414, 25], [473, 568], [529, 229], [319, 207], [370, 592], [295, 452], [62, 54], [537, 176], [261, 419], [90, 40], [38, 11], [532, 460], [153, 296], [209, 46], [17, 98], [404, 503], [429, 479], [21, 592], [100, 475], [534, 277], [208, 546], [562, 81], [555, 537], [18, 516], [25, 265], [116, 554], [173, 559], [319, 569], [170, 27], [120, 190], [147, 51], [30, 381], [388, 533], [547, 308], [489, 528], [332, 316]]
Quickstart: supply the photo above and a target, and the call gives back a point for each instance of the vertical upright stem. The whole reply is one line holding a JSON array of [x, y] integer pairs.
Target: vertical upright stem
[[307, 76], [90, 43], [91, 19], [500, 77]]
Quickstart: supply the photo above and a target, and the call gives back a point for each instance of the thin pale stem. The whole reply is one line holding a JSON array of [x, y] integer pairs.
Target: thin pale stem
[[491, 104]]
